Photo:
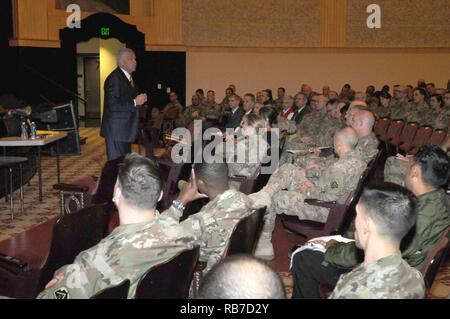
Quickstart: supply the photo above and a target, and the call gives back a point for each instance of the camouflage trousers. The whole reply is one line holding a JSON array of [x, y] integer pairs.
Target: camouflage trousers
[[281, 195], [395, 170]]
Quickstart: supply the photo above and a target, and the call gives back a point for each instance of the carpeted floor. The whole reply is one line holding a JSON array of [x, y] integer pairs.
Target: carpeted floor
[[90, 163]]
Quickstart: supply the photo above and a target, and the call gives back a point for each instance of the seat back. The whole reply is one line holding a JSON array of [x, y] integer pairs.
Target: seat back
[[409, 132], [395, 129], [72, 234], [172, 173], [422, 136], [171, 279], [381, 126], [105, 188], [246, 234], [119, 291], [430, 266], [248, 184], [438, 137]]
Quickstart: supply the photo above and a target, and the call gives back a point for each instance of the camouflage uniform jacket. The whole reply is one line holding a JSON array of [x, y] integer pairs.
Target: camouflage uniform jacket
[[387, 278], [339, 179], [432, 219], [247, 156], [367, 147], [216, 221], [176, 104], [210, 110], [187, 116], [128, 252]]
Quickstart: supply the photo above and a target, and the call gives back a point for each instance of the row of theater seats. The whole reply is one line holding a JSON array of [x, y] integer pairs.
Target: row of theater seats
[[87, 216], [407, 138]]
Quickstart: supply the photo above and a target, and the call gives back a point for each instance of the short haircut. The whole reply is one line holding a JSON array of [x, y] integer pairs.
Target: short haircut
[[140, 181], [348, 136], [268, 114], [269, 93], [422, 91], [211, 172], [242, 277], [282, 89], [200, 91], [434, 164], [392, 208], [122, 53], [251, 96], [211, 91]]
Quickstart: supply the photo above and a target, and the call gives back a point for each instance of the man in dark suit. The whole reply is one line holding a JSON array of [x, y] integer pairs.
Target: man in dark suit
[[120, 112], [302, 108], [237, 113]]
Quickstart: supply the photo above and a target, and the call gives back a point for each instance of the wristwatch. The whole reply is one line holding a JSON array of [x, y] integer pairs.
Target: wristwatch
[[178, 205]]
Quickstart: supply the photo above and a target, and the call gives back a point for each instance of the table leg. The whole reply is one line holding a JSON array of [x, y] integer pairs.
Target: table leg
[[21, 190], [11, 202], [39, 172], [57, 162], [5, 176]]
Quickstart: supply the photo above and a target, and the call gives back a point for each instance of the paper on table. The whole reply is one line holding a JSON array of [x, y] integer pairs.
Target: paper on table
[[318, 244]]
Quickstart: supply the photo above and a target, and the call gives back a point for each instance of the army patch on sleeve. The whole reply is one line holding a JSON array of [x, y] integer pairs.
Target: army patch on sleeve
[[334, 185], [62, 293]]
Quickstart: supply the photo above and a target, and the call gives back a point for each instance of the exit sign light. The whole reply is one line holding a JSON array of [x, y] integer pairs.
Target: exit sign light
[[104, 32]]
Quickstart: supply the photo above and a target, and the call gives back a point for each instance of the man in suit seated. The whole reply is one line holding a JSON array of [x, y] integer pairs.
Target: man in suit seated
[[235, 117]]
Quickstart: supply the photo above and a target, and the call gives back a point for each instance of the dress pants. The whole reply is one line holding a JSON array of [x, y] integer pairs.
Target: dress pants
[[115, 149], [309, 271]]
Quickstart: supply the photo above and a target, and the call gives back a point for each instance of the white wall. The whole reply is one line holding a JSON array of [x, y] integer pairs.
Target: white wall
[[252, 72]]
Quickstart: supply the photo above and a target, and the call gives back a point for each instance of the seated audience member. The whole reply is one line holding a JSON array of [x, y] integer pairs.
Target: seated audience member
[[287, 111], [144, 238], [362, 123], [302, 109], [174, 103], [427, 173], [436, 101], [334, 184], [224, 105], [235, 117], [384, 215], [211, 108], [250, 150], [190, 113], [242, 277], [217, 219], [281, 92], [249, 103]]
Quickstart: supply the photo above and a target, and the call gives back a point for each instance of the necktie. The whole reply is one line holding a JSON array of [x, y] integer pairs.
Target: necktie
[[132, 83]]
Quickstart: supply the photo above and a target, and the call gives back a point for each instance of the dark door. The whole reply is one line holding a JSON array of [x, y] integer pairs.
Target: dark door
[[92, 87]]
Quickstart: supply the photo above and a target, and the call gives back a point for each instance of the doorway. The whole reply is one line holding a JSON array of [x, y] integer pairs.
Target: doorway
[[92, 88]]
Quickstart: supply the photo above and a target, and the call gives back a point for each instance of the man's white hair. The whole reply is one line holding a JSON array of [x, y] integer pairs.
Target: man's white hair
[[122, 54]]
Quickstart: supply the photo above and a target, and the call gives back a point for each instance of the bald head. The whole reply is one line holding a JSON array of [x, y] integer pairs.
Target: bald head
[[345, 140], [242, 277], [363, 122]]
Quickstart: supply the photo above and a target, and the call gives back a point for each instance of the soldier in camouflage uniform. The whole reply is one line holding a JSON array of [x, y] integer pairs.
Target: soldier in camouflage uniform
[[312, 269], [250, 150], [224, 105], [173, 103], [143, 240], [281, 92], [211, 110], [334, 184], [363, 122], [191, 113], [391, 211], [218, 218]]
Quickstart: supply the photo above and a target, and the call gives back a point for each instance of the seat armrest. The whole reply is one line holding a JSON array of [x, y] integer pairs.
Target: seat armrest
[[238, 178], [320, 203], [70, 188]]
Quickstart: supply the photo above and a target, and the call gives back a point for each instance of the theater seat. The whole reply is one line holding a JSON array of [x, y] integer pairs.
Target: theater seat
[[119, 291]]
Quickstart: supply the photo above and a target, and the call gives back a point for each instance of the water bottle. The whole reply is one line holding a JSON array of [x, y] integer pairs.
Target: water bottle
[[33, 131], [24, 131]]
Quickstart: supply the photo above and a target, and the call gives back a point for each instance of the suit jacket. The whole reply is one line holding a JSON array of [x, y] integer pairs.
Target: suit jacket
[[234, 120], [298, 116], [120, 117]]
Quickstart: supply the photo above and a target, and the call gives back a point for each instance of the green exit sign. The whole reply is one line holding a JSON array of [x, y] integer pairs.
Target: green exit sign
[[104, 32]]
